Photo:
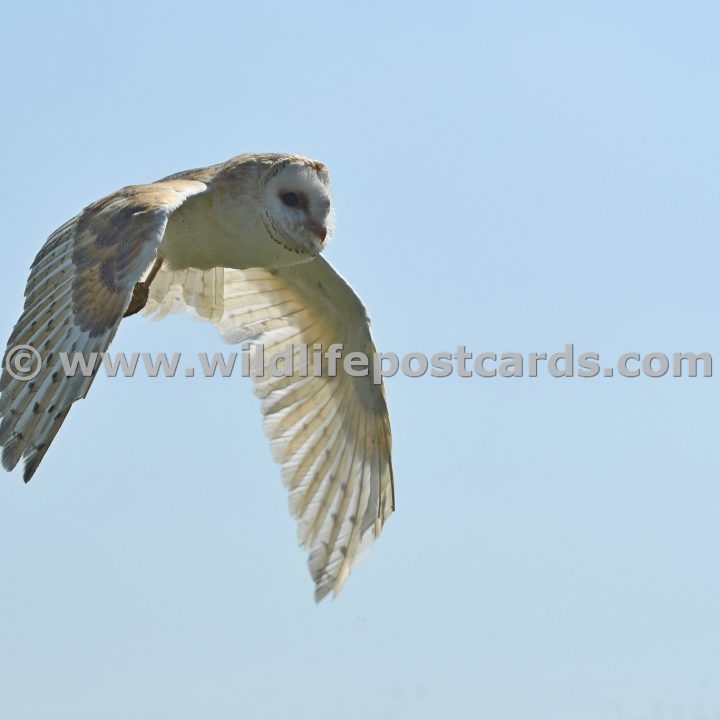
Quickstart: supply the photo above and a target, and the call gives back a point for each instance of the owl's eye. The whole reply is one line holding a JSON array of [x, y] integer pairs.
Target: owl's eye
[[290, 199]]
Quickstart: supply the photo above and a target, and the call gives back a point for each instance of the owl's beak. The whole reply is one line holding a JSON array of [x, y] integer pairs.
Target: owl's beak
[[318, 230]]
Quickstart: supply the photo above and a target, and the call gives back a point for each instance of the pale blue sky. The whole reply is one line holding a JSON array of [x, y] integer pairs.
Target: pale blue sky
[[508, 176]]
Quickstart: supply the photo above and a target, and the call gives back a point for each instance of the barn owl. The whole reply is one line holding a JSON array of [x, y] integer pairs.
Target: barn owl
[[237, 244]]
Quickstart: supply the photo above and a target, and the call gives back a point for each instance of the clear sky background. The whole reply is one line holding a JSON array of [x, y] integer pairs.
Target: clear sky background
[[508, 176]]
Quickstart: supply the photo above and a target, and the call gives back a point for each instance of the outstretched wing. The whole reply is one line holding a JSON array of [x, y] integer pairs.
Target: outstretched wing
[[330, 434], [80, 285]]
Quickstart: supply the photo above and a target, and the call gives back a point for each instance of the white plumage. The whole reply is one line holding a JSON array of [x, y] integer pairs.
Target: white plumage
[[236, 244]]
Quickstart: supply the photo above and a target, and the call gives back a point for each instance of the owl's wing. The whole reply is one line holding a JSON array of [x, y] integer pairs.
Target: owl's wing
[[80, 285], [331, 435]]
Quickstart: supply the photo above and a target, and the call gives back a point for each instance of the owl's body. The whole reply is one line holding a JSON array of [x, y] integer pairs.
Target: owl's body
[[216, 224], [236, 244]]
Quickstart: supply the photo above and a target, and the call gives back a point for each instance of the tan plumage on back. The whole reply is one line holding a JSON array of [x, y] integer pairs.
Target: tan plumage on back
[[236, 244]]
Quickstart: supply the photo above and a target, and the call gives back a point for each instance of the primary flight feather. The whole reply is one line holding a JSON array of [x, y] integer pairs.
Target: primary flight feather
[[237, 244]]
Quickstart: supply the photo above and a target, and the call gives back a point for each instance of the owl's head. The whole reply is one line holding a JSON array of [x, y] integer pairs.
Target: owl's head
[[295, 200]]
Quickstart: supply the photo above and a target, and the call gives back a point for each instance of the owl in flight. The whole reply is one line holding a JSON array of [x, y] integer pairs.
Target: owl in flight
[[237, 244]]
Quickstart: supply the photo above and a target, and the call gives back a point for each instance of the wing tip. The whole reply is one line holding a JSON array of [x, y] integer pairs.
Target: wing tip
[[32, 462], [321, 592]]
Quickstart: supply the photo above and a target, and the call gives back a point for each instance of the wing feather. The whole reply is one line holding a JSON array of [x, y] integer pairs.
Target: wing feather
[[197, 291], [330, 435], [80, 284]]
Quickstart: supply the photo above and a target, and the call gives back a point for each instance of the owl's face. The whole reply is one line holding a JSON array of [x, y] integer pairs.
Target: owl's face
[[297, 212]]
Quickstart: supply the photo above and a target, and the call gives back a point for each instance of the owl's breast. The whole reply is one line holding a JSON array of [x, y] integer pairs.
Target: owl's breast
[[200, 235]]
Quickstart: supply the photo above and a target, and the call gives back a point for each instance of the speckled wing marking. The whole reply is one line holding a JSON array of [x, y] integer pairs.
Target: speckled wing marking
[[331, 435], [80, 284]]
